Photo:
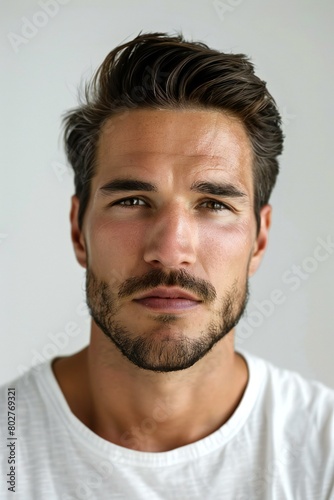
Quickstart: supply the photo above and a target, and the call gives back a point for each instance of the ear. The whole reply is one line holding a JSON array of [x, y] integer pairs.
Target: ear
[[261, 241], [77, 234]]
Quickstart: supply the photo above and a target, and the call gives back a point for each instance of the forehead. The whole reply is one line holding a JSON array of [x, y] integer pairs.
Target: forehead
[[185, 141]]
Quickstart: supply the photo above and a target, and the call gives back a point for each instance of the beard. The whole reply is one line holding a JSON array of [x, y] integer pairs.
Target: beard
[[172, 351]]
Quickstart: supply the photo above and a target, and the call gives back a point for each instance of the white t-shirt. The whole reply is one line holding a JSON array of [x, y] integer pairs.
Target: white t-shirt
[[278, 445]]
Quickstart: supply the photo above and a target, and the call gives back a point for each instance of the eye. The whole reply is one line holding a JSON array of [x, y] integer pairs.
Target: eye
[[215, 206], [130, 202]]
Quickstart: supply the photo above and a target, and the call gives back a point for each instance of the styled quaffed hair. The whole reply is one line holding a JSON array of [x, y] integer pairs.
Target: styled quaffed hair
[[158, 71]]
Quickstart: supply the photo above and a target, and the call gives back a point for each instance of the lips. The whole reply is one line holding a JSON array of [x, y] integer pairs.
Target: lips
[[168, 299]]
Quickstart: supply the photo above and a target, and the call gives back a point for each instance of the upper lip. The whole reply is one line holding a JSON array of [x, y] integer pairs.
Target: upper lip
[[168, 293]]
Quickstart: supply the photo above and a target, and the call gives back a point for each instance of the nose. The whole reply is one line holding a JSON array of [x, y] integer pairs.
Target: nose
[[171, 239]]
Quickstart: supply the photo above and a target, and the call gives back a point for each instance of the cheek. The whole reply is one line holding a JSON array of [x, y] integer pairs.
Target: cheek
[[114, 248], [225, 251]]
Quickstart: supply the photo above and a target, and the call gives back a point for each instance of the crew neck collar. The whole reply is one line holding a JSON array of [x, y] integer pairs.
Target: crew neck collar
[[58, 406]]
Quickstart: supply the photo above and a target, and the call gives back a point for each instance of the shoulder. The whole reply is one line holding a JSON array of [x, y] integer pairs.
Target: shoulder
[[27, 380], [289, 387], [295, 409], [291, 431], [291, 391], [26, 394]]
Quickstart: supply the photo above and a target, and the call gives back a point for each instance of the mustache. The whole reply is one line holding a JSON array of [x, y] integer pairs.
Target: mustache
[[157, 277]]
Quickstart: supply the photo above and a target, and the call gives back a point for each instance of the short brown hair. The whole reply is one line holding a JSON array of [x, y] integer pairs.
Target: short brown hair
[[155, 70]]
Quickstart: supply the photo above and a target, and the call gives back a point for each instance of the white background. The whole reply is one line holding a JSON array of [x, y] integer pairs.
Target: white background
[[291, 44]]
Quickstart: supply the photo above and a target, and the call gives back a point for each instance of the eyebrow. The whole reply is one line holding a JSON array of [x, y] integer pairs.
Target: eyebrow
[[218, 189], [118, 185], [213, 188]]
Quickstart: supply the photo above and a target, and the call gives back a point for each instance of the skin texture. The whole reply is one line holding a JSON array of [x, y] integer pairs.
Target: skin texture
[[168, 232]]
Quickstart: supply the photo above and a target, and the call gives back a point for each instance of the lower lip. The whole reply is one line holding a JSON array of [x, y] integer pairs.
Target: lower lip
[[167, 304]]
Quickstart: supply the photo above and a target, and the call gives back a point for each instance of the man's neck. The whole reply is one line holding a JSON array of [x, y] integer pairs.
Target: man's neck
[[150, 411]]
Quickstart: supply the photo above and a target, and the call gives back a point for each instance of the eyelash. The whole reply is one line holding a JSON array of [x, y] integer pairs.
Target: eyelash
[[222, 205]]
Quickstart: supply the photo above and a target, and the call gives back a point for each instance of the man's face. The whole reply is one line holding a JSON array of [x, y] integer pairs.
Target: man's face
[[170, 214]]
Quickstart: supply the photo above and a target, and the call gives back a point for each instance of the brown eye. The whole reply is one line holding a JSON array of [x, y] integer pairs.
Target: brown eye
[[130, 202], [215, 206]]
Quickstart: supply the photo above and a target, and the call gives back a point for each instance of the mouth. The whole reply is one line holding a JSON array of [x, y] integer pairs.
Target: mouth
[[168, 299]]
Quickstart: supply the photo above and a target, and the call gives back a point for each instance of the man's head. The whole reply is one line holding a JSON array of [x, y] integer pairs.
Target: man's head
[[170, 216], [158, 71]]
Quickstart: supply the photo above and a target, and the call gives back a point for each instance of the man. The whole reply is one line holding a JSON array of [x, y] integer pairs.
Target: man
[[175, 156]]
